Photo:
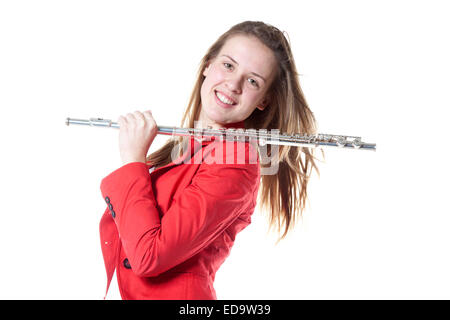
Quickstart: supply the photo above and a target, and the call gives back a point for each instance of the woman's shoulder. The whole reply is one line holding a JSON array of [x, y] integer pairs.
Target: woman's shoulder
[[228, 173], [231, 162]]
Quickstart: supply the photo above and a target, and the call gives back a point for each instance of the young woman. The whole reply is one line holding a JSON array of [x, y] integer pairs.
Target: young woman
[[166, 232]]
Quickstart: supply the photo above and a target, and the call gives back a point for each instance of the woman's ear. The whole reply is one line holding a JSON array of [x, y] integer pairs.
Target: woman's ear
[[261, 106], [205, 71]]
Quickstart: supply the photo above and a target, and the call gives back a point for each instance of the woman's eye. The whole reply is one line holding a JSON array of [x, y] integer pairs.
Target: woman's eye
[[253, 82]]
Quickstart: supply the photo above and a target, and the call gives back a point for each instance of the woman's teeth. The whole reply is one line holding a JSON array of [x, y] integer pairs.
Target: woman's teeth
[[223, 98]]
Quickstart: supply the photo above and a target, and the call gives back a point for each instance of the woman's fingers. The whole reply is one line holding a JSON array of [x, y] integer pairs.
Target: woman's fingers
[[138, 132], [136, 118], [139, 118], [122, 121], [148, 114]]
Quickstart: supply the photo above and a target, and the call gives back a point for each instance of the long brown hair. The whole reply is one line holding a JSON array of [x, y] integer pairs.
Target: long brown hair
[[283, 194]]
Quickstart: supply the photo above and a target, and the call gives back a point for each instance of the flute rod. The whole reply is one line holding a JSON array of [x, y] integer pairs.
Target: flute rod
[[261, 136]]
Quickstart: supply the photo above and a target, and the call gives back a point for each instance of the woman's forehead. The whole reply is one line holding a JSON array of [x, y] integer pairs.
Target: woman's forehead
[[250, 53]]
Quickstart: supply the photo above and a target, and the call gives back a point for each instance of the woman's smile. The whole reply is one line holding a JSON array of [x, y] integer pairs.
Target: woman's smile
[[224, 100]]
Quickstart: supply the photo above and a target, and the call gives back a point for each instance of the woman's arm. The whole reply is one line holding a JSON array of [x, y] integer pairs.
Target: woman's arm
[[218, 194]]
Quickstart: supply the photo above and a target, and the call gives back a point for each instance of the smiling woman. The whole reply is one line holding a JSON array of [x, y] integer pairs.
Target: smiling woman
[[252, 66], [237, 80], [166, 233]]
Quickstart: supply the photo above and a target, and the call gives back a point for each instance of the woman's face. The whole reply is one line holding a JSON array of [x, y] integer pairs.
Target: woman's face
[[236, 81]]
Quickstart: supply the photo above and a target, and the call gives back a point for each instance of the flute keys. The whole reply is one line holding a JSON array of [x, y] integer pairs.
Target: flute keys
[[357, 143], [262, 142], [340, 141]]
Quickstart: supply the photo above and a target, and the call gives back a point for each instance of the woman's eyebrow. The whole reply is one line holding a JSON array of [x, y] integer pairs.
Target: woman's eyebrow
[[254, 73]]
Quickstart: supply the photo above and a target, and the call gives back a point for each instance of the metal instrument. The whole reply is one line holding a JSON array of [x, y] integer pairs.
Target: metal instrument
[[261, 136]]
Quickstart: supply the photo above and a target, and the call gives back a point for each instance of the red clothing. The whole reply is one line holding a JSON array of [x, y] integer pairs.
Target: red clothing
[[167, 232]]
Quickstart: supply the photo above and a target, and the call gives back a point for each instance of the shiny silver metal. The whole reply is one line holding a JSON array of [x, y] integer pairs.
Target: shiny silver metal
[[261, 136]]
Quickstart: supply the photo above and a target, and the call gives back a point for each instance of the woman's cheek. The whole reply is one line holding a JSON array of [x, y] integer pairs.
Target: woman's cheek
[[218, 74]]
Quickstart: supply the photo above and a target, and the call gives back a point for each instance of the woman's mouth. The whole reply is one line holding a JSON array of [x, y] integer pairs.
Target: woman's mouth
[[223, 100]]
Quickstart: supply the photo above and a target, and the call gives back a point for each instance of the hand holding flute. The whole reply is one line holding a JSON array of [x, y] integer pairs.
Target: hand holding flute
[[137, 132]]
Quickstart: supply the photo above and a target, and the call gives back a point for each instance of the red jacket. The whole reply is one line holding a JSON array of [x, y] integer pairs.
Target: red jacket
[[167, 232]]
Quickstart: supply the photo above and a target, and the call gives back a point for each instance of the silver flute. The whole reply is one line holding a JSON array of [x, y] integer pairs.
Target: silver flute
[[261, 136]]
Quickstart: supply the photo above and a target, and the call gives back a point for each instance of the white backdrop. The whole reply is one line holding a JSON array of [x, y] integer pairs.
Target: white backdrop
[[377, 223]]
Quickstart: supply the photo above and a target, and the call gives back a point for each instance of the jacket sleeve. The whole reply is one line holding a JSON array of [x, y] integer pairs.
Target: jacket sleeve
[[217, 195]]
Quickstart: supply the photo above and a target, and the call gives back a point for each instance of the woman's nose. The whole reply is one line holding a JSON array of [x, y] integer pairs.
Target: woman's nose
[[233, 83]]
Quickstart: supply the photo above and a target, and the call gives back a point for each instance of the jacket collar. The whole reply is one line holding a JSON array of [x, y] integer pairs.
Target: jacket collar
[[203, 141]]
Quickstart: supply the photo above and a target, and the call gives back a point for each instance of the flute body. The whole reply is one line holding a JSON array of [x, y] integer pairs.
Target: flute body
[[261, 136]]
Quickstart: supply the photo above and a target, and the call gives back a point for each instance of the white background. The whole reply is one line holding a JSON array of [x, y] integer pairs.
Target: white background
[[377, 224]]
